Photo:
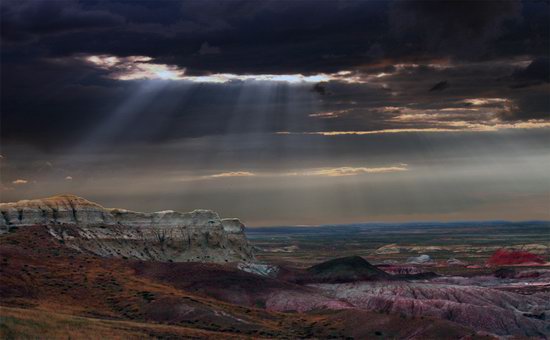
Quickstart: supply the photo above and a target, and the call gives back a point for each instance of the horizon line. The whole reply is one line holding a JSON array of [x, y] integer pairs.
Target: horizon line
[[393, 223]]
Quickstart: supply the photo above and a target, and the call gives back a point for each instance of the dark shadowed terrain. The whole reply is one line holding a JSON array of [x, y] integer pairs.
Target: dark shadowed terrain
[[49, 289]]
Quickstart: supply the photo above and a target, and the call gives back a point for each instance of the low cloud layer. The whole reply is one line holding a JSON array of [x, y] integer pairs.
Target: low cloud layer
[[351, 171], [19, 181], [329, 172]]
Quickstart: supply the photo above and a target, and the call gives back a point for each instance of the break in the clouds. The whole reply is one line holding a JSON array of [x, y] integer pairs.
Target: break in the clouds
[[140, 68], [296, 103]]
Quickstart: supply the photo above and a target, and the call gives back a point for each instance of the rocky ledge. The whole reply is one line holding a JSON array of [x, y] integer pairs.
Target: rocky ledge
[[199, 235]]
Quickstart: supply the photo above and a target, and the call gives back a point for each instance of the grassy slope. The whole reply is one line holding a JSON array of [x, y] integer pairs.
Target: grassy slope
[[20, 323]]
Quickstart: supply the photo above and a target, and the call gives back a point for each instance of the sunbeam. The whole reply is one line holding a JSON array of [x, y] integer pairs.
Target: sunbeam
[[116, 123]]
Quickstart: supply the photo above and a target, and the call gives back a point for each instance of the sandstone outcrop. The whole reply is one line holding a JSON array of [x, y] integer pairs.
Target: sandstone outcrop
[[199, 235]]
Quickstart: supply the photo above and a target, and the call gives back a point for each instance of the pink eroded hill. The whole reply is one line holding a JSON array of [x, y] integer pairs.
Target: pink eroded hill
[[512, 257]]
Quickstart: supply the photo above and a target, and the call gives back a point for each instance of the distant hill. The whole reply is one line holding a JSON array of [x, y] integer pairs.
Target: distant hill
[[346, 269]]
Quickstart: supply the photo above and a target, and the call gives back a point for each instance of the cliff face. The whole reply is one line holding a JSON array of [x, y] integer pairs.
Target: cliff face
[[199, 235]]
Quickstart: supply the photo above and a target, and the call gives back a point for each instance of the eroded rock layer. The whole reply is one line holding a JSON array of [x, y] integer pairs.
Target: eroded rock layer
[[199, 235], [491, 310]]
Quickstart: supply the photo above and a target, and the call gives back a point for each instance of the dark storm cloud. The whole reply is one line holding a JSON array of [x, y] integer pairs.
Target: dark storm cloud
[[51, 98], [531, 91], [51, 103], [26, 19], [460, 28], [320, 89], [272, 36], [532, 102], [536, 73], [442, 85]]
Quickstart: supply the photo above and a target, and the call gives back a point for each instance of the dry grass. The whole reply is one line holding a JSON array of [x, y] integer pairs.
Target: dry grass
[[19, 323]]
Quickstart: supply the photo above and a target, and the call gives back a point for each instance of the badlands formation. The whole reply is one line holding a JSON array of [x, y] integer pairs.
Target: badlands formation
[[44, 255], [199, 235]]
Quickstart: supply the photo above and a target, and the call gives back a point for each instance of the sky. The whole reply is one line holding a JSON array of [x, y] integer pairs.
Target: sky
[[280, 112]]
